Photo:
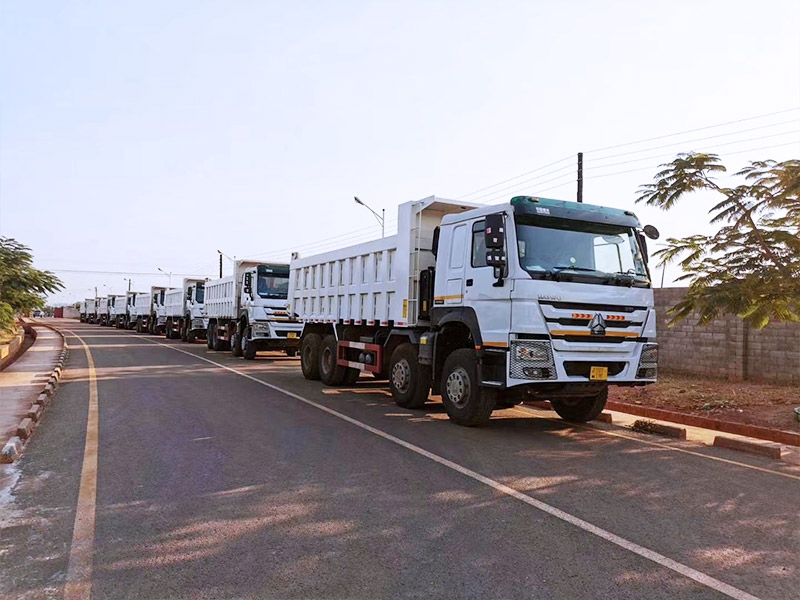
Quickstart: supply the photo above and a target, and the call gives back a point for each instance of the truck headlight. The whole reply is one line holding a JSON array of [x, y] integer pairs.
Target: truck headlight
[[532, 359]]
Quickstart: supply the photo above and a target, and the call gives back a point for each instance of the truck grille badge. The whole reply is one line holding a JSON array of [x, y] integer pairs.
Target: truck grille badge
[[597, 325]]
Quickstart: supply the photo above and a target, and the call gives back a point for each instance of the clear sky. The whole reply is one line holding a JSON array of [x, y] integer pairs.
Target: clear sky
[[138, 135]]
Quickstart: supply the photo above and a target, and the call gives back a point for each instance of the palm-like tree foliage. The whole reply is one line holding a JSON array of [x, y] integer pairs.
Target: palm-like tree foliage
[[22, 287], [751, 265]]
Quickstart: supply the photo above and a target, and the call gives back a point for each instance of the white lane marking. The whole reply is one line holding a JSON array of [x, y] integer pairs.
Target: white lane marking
[[587, 426], [660, 559], [80, 566]]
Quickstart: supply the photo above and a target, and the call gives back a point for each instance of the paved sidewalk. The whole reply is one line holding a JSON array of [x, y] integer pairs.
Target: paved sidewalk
[[23, 381]]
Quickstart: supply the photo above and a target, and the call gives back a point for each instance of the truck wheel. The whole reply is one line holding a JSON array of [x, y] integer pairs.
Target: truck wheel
[[168, 330], [219, 344], [409, 381], [466, 402], [329, 372], [138, 326], [185, 329], [236, 345], [581, 410], [309, 355], [248, 347], [210, 337]]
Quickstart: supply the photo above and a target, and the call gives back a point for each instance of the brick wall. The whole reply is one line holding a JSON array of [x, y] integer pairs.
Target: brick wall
[[726, 348]]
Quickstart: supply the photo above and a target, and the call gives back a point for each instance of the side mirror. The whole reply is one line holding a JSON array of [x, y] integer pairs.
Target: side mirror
[[495, 240], [248, 284], [651, 232], [495, 232], [189, 294], [435, 242]]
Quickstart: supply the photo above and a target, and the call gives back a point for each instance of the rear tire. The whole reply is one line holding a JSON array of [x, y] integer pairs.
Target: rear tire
[[185, 330], [409, 381], [329, 372], [309, 355], [210, 336], [466, 402], [168, 330], [581, 410]]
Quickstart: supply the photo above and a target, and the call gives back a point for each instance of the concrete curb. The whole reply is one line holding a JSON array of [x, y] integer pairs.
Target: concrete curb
[[644, 426], [768, 450], [26, 428], [754, 431]]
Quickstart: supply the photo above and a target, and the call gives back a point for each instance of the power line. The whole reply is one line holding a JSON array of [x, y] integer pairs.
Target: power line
[[641, 141], [517, 177], [661, 137]]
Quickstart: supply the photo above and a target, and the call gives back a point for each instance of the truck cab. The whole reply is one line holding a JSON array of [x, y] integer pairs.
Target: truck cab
[[554, 297]]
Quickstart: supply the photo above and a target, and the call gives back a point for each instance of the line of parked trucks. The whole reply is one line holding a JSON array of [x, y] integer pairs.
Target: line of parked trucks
[[486, 306]]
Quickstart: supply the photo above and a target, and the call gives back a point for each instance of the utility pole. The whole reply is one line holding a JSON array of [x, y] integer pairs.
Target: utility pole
[[580, 176], [220, 265]]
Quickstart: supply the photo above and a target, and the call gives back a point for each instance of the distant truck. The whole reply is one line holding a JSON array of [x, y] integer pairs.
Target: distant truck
[[147, 313], [91, 310], [82, 310], [185, 312], [486, 306], [117, 312], [247, 311], [102, 311]]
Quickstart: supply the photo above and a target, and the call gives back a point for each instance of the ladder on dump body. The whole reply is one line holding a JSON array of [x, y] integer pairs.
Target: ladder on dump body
[[413, 265]]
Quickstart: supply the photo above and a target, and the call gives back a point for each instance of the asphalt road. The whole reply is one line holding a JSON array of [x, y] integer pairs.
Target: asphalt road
[[221, 478]]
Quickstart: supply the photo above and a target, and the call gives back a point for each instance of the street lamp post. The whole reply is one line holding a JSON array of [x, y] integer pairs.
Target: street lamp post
[[130, 282], [381, 218], [167, 274]]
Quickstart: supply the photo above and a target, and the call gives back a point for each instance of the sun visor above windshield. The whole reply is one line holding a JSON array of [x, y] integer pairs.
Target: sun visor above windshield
[[561, 209]]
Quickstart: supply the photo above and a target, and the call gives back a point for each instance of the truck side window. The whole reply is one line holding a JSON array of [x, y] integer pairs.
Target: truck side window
[[478, 244]]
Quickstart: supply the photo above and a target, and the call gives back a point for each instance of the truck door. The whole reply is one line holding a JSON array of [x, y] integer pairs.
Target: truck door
[[456, 259], [492, 304]]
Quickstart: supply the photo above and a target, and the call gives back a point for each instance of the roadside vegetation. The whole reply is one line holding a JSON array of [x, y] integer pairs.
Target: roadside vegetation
[[22, 286], [751, 266]]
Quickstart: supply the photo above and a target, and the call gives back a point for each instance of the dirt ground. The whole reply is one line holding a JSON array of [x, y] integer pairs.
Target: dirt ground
[[743, 402]]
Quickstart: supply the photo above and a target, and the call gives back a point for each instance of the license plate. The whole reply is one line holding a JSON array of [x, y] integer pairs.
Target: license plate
[[291, 334], [598, 373]]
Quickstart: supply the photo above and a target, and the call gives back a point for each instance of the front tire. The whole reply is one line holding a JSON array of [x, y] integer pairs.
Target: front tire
[[309, 355], [466, 402], [581, 410], [248, 347], [409, 381], [236, 345]]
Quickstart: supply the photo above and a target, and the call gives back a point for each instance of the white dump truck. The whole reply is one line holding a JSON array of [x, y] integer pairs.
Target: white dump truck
[[139, 312], [91, 310], [247, 311], [116, 311], [185, 311], [102, 311], [82, 307], [486, 306], [148, 311]]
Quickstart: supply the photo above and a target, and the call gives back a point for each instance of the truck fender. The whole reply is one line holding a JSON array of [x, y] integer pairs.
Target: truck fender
[[441, 316]]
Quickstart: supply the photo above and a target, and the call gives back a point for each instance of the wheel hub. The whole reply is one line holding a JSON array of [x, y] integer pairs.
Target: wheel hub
[[458, 387], [401, 376]]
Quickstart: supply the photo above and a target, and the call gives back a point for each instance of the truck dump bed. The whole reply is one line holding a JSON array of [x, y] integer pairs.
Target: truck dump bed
[[174, 302], [374, 283], [220, 300]]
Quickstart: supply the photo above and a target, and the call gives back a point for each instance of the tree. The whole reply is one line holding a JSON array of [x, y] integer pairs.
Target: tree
[[22, 287], [751, 266]]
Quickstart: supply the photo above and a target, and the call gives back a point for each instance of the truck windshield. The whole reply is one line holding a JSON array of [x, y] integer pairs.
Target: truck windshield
[[200, 293], [273, 282], [580, 251]]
